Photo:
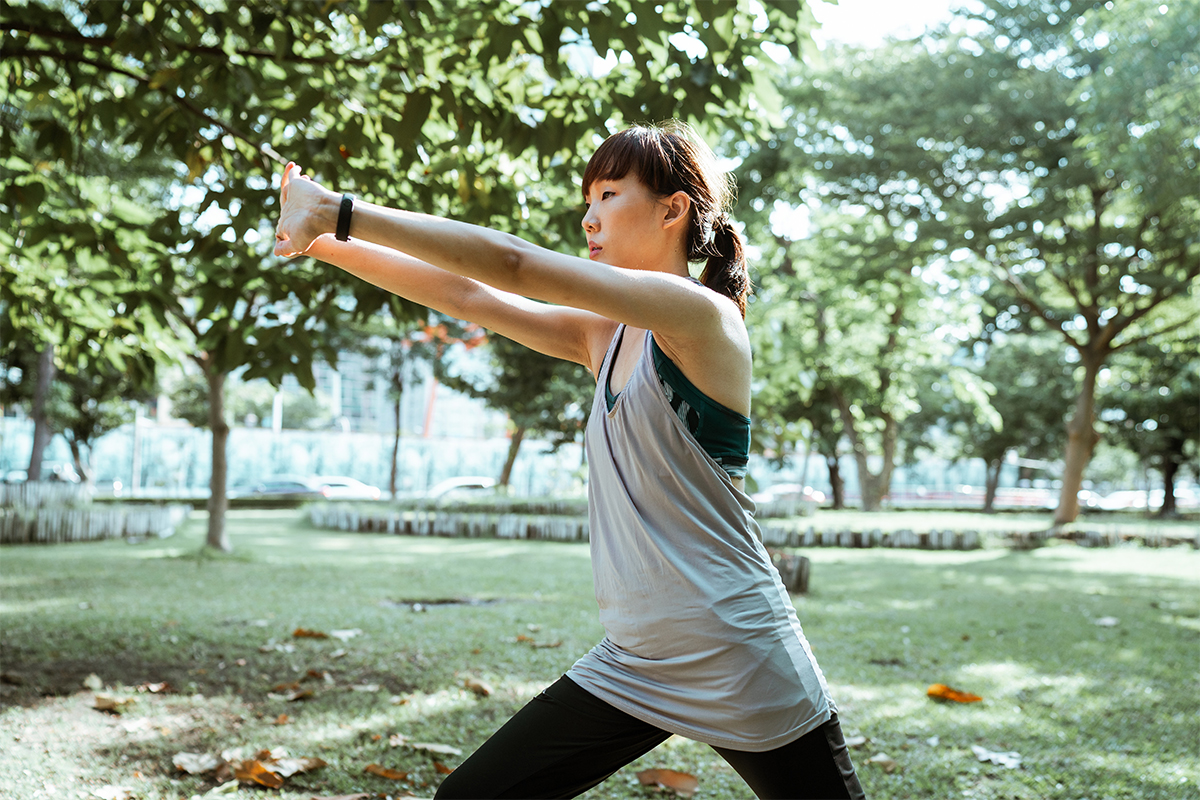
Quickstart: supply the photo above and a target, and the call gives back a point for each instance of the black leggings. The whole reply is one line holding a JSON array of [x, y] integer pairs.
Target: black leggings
[[565, 741]]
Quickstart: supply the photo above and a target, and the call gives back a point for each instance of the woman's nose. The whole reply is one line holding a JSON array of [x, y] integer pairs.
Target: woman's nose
[[589, 222]]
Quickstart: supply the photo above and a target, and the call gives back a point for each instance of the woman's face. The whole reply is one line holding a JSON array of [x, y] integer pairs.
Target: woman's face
[[624, 224]]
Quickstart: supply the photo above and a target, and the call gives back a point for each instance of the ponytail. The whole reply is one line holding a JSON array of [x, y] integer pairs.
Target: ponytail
[[725, 271]]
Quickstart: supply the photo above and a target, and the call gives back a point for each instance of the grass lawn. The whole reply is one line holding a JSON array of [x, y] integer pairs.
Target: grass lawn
[[1088, 662]]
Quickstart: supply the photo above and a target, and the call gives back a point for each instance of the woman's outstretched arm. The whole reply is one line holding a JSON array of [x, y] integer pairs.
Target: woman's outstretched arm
[[565, 333], [667, 304]]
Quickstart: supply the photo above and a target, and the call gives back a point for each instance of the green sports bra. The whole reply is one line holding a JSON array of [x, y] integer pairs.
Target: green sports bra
[[719, 430]]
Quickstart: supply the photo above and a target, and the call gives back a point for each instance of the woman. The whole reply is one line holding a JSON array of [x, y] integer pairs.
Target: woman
[[702, 639]]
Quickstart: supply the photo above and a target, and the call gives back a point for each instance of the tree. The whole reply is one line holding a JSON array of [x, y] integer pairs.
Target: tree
[[479, 110], [540, 394], [846, 319], [1029, 386], [1151, 406], [1055, 142]]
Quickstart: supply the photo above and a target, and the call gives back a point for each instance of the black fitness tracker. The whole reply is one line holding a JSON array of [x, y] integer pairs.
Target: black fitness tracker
[[343, 226]]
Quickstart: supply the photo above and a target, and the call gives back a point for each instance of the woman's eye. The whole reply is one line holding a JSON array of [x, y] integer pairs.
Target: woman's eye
[[606, 194]]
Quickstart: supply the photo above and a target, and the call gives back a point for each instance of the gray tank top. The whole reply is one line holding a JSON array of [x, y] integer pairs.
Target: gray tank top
[[702, 638]]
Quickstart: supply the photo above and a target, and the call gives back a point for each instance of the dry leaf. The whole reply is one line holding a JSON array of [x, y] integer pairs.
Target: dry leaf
[[112, 702], [320, 675], [679, 782], [292, 696], [93, 682], [441, 768], [940, 691], [436, 749], [1009, 760], [253, 771], [196, 763], [384, 772], [222, 789], [855, 741], [155, 688], [1107, 622], [345, 635], [397, 740], [113, 792], [282, 719], [884, 762], [477, 686], [287, 767], [365, 687], [305, 633]]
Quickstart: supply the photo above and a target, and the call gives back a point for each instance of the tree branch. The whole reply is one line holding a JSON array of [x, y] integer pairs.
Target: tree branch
[[263, 149], [103, 42], [1152, 334]]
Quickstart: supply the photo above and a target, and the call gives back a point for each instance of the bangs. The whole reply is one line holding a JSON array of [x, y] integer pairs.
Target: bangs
[[641, 151]]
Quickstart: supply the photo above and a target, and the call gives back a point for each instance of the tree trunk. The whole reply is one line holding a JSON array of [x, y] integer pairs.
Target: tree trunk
[[874, 486], [81, 467], [1169, 469], [41, 426], [992, 484], [1081, 440], [398, 392], [513, 446], [395, 451], [837, 486], [218, 502]]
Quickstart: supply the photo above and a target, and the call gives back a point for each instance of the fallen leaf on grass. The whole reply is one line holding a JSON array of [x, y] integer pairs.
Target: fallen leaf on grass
[[436, 749], [93, 682], [1008, 760], [397, 740], [319, 675], [384, 772], [481, 688], [287, 767], [156, 688], [112, 702], [855, 741], [282, 719], [305, 633], [679, 782], [884, 762], [441, 768], [113, 792], [222, 789], [940, 691], [253, 771], [523, 639], [364, 687], [1107, 622], [275, 647], [196, 763], [346, 635]]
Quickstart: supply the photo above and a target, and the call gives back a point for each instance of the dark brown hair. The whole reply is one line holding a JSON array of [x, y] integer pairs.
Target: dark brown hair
[[670, 158]]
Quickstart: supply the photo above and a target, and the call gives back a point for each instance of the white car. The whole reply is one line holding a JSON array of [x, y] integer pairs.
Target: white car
[[461, 488], [333, 487]]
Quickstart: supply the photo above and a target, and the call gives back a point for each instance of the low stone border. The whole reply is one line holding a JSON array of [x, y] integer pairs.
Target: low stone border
[[357, 518], [49, 525]]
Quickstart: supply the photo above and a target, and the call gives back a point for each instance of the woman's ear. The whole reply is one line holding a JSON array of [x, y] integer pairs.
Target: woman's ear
[[678, 209]]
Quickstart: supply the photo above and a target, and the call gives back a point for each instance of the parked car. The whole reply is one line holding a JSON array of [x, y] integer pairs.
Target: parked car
[[461, 488], [788, 491], [279, 486], [334, 487]]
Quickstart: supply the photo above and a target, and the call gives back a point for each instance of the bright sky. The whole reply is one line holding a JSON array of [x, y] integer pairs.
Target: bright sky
[[869, 22]]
